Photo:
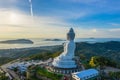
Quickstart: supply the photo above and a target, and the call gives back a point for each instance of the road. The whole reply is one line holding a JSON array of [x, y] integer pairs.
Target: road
[[83, 68], [111, 69], [14, 75], [10, 72]]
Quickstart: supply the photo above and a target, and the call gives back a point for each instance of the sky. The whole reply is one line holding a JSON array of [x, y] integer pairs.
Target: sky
[[54, 18]]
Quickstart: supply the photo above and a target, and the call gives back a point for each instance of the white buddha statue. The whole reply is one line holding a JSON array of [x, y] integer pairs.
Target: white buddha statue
[[65, 60]]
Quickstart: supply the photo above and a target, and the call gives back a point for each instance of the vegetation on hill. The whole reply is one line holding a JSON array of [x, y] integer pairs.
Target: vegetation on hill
[[25, 52], [4, 60], [114, 75], [44, 56], [110, 50], [30, 53], [3, 76], [44, 73], [40, 73], [101, 61]]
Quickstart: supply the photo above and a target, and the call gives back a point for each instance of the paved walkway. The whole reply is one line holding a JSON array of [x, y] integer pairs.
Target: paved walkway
[[83, 68], [111, 69]]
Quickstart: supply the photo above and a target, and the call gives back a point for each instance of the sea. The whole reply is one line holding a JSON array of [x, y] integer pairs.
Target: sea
[[38, 42]]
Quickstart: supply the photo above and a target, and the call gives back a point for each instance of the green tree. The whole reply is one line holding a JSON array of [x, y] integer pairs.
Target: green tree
[[3, 76]]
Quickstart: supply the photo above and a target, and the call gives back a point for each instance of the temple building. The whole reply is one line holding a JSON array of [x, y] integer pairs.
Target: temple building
[[90, 74], [66, 63]]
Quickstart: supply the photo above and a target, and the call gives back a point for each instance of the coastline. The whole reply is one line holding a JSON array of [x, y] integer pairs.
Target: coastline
[[41, 42]]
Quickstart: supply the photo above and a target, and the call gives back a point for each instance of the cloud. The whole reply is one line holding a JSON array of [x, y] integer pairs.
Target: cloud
[[25, 26], [104, 6], [97, 32], [73, 14], [85, 1], [8, 0], [81, 1], [94, 30], [20, 18], [31, 8], [20, 23], [114, 24], [114, 30], [7, 3], [16, 22]]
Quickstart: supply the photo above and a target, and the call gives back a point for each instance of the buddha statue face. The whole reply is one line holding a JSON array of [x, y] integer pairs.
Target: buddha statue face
[[70, 35]]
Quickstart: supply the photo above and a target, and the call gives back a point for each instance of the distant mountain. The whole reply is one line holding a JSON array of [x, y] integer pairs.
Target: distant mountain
[[53, 40], [18, 41]]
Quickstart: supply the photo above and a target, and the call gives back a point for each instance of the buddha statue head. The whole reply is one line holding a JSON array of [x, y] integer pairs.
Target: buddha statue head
[[70, 35]]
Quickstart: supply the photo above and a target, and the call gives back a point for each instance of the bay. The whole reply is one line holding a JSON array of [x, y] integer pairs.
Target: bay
[[41, 42]]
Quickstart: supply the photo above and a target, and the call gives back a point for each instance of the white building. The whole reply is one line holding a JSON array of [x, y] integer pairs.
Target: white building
[[85, 75], [22, 66]]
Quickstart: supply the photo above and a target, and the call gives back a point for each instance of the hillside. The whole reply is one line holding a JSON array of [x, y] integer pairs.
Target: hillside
[[7, 55], [25, 52], [110, 50]]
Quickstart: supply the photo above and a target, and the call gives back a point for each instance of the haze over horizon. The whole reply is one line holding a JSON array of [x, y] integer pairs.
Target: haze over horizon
[[53, 18]]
